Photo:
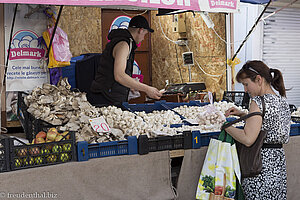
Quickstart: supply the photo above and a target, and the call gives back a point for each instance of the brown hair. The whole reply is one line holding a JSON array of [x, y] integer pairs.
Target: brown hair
[[256, 67]]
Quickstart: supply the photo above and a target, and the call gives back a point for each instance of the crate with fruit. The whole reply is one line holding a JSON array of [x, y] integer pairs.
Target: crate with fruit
[[4, 154], [47, 148]]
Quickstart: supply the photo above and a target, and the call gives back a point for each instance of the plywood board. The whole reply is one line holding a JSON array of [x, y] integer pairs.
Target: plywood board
[[83, 27], [209, 52]]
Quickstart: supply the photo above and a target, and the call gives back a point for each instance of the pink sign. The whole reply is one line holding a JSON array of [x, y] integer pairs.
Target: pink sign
[[195, 5], [26, 53], [231, 4]]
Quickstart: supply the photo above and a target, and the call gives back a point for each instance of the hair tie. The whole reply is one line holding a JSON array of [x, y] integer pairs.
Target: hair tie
[[270, 72]]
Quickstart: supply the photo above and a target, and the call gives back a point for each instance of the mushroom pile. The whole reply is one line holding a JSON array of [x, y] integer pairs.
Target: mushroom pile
[[70, 111]]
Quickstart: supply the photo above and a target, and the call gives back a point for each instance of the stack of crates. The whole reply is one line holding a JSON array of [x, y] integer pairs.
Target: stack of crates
[[238, 98]]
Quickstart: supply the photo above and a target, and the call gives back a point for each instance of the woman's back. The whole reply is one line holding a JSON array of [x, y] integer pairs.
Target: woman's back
[[277, 118]]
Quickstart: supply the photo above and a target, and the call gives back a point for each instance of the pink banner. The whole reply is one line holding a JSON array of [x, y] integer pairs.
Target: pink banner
[[26, 53], [222, 4], [196, 5]]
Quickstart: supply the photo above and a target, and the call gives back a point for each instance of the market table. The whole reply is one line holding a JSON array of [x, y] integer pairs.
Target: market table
[[111, 178], [128, 177]]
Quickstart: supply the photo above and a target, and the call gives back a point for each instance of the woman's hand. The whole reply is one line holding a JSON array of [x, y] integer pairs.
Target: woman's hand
[[234, 111]]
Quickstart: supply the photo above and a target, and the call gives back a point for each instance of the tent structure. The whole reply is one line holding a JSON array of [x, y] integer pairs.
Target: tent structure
[[195, 5], [227, 6]]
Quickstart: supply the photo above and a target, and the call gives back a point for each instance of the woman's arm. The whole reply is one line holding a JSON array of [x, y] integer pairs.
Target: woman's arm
[[248, 135]]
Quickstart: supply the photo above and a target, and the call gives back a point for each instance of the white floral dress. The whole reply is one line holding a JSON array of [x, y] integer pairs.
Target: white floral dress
[[271, 183]]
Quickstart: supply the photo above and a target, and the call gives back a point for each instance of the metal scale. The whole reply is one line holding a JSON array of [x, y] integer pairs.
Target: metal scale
[[184, 88]]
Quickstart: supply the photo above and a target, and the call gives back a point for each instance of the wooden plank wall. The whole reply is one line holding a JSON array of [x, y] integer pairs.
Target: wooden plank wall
[[83, 26], [208, 50]]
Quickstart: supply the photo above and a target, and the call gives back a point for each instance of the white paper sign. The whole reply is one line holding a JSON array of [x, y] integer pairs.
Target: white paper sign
[[99, 125]]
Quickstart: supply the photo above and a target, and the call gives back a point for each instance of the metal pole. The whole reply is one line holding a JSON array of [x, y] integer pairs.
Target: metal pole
[[190, 74], [54, 30], [9, 45], [258, 19]]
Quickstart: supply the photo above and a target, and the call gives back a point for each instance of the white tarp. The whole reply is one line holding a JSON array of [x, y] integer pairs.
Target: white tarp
[[24, 71]]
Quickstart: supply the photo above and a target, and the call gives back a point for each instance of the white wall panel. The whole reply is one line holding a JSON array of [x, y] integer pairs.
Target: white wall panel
[[281, 48]]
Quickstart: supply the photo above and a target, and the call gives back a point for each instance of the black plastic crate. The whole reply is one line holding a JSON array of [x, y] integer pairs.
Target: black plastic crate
[[30, 124], [4, 154], [238, 98], [162, 143], [36, 155]]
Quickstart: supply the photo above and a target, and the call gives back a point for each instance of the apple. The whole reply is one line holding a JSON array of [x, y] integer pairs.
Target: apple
[[51, 135], [17, 162], [56, 149], [34, 150], [38, 160], [22, 152], [41, 134], [39, 140], [30, 160], [45, 151], [64, 157], [51, 158], [67, 147], [59, 138], [53, 130], [65, 133]]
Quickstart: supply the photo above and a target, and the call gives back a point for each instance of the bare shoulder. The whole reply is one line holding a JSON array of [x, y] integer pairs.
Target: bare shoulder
[[254, 107], [121, 48], [122, 44]]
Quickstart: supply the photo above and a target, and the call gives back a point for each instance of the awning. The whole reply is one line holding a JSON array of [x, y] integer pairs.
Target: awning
[[227, 6], [255, 1]]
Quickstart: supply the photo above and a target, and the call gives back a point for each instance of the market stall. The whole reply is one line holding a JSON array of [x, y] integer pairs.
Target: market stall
[[166, 126]]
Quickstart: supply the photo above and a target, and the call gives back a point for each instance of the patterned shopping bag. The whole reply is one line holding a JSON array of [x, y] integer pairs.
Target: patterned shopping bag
[[220, 170]]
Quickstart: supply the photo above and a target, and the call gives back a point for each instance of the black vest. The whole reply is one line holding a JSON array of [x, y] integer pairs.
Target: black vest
[[105, 82]]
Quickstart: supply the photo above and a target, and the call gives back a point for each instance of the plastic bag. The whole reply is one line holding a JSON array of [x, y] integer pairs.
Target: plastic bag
[[60, 45], [211, 116], [52, 62], [220, 171]]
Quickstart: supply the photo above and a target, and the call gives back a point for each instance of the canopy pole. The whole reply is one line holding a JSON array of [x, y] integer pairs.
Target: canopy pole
[[258, 19], [9, 45], [54, 30]]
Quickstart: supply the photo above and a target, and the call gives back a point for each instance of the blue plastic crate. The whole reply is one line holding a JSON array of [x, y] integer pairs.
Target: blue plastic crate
[[173, 105], [148, 108], [69, 71], [199, 139], [295, 129], [87, 151], [203, 139]]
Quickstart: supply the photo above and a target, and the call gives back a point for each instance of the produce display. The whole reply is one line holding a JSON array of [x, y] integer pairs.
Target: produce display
[[46, 148], [70, 111]]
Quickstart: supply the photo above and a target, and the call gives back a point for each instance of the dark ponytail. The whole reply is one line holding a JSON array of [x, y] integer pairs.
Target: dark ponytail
[[256, 67], [277, 81]]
